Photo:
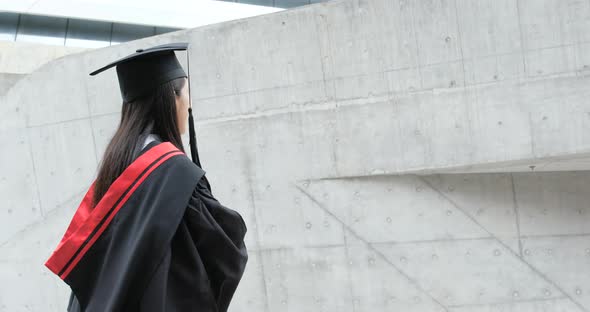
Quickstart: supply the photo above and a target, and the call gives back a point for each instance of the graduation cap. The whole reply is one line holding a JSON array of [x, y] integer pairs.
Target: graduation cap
[[142, 71]]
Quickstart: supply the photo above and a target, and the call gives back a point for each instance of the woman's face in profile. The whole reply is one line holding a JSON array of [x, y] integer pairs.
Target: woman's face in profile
[[182, 108]]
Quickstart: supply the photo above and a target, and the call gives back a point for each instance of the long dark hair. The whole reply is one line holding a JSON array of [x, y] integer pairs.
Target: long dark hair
[[154, 113]]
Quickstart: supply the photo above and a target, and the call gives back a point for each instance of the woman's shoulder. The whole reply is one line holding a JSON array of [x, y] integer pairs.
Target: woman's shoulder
[[184, 158], [177, 164], [147, 146]]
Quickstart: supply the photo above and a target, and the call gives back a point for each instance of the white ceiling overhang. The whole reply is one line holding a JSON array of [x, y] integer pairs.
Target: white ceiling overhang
[[169, 13]]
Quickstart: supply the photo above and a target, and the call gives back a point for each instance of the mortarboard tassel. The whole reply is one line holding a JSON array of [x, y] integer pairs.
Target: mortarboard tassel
[[193, 144], [191, 122], [193, 138]]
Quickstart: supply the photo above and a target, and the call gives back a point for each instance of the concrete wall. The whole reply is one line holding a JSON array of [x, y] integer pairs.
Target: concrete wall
[[24, 58], [18, 59], [7, 81], [386, 155]]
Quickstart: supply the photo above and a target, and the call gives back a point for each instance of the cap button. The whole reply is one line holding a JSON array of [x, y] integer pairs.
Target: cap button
[[139, 50]]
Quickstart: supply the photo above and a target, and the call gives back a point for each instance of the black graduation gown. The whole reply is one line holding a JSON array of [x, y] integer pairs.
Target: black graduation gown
[[170, 247]]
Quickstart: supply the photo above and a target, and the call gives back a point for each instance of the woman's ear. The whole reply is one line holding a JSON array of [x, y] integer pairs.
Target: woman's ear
[[177, 98]]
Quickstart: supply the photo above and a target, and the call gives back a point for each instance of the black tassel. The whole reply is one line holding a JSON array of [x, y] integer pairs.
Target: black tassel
[[193, 138], [193, 144], [191, 124]]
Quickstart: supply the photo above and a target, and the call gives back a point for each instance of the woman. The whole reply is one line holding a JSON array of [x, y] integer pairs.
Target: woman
[[148, 235]]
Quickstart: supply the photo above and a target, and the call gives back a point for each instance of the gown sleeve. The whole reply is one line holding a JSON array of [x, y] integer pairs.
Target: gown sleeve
[[218, 233]]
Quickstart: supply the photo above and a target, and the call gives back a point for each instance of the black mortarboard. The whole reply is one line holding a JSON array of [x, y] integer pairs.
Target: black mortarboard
[[145, 69]]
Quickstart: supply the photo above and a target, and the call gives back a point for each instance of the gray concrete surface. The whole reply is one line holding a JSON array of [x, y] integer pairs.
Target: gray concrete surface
[[7, 81], [24, 57], [386, 155]]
